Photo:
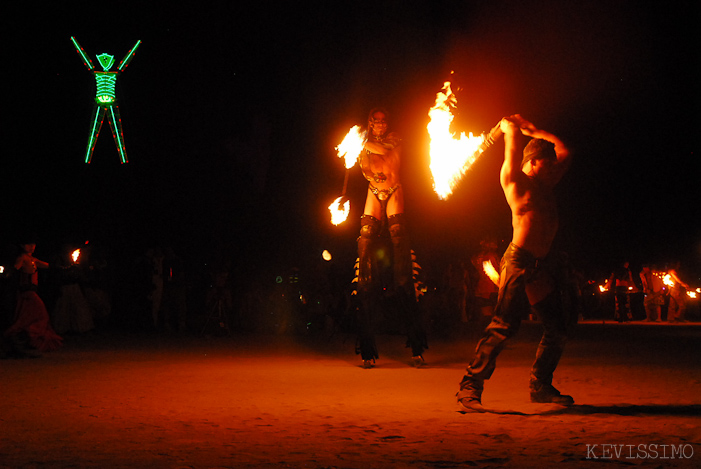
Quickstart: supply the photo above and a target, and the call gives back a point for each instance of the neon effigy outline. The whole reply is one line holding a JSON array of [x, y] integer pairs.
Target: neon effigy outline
[[106, 98]]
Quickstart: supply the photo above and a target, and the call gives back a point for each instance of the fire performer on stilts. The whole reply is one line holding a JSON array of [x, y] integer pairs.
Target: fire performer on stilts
[[384, 209], [531, 276]]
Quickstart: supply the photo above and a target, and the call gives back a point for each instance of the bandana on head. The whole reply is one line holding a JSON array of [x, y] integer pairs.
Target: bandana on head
[[538, 149]]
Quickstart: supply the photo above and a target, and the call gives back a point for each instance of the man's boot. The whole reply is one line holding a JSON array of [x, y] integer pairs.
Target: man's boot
[[470, 395], [544, 392]]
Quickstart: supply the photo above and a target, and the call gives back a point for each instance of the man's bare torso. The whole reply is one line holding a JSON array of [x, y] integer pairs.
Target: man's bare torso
[[534, 217]]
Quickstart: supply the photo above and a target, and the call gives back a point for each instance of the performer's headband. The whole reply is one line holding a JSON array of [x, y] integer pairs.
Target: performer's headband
[[538, 149]]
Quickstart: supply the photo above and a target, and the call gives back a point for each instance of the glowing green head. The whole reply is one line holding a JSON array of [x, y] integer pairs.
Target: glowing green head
[[106, 61]]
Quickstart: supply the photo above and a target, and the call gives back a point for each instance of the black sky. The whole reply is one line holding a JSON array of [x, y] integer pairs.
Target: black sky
[[231, 112]]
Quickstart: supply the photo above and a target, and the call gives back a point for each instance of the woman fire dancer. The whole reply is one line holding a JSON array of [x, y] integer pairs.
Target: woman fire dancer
[[384, 210], [31, 332]]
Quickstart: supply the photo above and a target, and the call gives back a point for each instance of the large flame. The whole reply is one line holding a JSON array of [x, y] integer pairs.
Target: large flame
[[491, 272], [667, 280], [339, 211], [351, 146], [451, 156]]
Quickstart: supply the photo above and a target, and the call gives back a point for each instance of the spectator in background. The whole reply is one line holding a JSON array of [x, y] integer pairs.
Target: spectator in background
[[621, 281], [677, 296], [652, 288]]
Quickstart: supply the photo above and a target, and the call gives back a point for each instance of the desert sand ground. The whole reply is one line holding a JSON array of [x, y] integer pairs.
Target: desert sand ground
[[116, 400]]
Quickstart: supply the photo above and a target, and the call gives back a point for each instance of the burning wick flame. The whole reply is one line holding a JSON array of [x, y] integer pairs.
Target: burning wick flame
[[326, 255], [491, 272], [451, 156], [667, 280], [75, 255], [351, 146], [339, 212]]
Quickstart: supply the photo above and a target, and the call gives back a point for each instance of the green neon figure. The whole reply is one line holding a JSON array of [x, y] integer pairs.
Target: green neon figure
[[106, 98]]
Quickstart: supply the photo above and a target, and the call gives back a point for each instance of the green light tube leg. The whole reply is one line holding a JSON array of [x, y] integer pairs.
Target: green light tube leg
[[97, 120], [117, 132]]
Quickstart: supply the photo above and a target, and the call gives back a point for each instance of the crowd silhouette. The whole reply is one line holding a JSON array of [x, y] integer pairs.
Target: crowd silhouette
[[161, 289]]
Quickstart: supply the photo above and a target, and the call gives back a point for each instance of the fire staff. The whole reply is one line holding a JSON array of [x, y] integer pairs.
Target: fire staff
[[384, 209], [531, 276]]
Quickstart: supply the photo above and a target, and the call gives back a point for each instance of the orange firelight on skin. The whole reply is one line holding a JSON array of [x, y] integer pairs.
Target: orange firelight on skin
[[451, 155]]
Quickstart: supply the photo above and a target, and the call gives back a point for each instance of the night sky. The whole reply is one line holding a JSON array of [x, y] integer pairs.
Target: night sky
[[231, 112]]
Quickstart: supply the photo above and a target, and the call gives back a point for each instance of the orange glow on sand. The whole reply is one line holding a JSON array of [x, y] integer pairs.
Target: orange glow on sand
[[191, 401]]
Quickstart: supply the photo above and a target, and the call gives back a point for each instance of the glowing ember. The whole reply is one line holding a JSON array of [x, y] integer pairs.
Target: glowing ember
[[75, 255], [451, 156], [351, 146], [692, 294], [602, 288], [491, 272], [326, 255], [339, 211]]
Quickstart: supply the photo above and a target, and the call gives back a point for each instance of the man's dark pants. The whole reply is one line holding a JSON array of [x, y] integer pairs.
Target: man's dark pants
[[518, 268]]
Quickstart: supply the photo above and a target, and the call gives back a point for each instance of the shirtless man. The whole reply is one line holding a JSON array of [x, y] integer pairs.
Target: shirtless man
[[530, 274], [384, 206]]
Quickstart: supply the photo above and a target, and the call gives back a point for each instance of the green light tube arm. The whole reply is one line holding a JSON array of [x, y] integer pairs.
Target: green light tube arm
[[125, 61], [81, 52]]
